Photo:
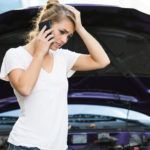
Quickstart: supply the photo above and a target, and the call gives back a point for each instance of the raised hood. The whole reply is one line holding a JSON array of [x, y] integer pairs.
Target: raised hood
[[124, 34]]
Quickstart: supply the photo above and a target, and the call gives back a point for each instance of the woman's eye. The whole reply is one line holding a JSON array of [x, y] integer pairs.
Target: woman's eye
[[62, 32]]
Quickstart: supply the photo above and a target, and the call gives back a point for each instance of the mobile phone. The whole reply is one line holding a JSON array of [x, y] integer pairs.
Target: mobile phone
[[42, 24]]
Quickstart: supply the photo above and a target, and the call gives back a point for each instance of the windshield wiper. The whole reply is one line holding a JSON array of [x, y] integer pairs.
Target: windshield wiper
[[7, 120], [100, 122], [92, 118], [89, 118]]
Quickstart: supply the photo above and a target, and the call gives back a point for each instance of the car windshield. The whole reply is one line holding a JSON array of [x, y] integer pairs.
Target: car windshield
[[93, 117], [106, 118]]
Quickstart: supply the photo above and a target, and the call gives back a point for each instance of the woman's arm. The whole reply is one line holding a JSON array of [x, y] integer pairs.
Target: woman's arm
[[24, 80], [97, 57]]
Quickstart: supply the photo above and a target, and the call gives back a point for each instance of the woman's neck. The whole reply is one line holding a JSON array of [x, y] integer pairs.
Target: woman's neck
[[29, 47]]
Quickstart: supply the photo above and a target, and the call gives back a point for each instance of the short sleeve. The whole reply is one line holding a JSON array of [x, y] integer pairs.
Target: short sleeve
[[70, 58], [10, 61]]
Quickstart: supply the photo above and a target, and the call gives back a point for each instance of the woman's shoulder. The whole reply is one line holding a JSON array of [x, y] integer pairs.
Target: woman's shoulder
[[14, 51]]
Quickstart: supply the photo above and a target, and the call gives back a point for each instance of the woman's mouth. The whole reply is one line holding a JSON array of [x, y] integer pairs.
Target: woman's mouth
[[57, 44]]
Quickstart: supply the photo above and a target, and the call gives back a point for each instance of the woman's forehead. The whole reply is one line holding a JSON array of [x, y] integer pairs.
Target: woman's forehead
[[66, 25]]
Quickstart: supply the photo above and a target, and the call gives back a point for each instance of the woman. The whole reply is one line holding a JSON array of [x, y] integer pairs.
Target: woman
[[38, 73]]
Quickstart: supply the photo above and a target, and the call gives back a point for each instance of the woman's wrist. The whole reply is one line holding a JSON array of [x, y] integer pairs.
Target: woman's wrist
[[80, 29], [39, 56]]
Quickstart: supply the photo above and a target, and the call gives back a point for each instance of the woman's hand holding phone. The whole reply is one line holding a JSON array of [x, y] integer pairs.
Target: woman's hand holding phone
[[43, 41]]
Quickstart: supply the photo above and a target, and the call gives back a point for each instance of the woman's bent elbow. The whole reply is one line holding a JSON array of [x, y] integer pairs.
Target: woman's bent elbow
[[105, 64], [24, 92], [108, 62]]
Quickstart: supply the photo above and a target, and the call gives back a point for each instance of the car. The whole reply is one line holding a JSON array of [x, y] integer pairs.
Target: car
[[108, 108]]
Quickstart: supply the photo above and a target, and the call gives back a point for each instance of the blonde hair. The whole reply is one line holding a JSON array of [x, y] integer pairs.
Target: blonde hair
[[53, 11]]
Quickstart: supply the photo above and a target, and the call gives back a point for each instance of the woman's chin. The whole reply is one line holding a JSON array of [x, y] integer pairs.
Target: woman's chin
[[52, 47]]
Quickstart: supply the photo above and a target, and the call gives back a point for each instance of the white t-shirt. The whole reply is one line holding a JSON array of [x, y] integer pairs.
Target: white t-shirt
[[43, 122]]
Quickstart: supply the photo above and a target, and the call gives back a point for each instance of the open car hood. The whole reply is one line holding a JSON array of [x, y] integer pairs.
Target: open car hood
[[124, 34]]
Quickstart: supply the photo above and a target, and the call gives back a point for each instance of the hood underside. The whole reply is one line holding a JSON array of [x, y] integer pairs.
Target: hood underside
[[124, 34]]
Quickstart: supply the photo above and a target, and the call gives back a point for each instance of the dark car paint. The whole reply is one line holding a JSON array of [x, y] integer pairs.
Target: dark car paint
[[115, 78]]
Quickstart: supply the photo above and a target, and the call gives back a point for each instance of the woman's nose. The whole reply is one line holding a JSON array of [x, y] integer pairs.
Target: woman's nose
[[64, 39]]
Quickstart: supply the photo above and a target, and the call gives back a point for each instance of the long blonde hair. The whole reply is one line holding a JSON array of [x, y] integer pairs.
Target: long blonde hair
[[53, 11]]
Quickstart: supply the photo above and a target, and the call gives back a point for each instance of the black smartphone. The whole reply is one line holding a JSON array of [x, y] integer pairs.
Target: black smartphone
[[42, 24]]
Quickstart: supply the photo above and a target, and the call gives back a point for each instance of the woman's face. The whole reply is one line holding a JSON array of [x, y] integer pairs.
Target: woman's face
[[62, 31]]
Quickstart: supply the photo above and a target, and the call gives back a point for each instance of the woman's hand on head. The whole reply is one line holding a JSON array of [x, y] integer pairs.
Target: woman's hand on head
[[77, 16], [43, 42]]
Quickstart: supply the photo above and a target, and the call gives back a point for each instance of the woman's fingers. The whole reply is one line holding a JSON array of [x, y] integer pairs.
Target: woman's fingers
[[42, 31], [47, 32], [73, 9], [51, 41], [69, 7], [77, 16], [49, 37]]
